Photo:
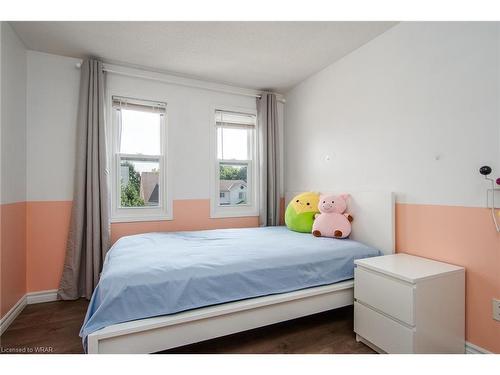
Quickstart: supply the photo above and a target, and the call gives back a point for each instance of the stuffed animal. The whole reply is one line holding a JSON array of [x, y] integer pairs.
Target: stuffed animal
[[332, 221], [299, 214]]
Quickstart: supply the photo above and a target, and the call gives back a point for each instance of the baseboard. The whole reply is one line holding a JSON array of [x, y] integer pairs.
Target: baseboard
[[474, 349], [42, 296], [12, 314], [28, 299]]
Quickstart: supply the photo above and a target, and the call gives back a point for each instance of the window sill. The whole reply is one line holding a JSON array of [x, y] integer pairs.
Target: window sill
[[134, 219], [221, 214]]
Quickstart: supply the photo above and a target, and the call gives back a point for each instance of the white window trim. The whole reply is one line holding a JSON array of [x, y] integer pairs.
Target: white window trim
[[135, 214], [252, 208]]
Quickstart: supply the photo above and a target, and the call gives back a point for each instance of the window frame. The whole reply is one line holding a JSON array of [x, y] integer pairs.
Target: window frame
[[251, 208], [148, 213]]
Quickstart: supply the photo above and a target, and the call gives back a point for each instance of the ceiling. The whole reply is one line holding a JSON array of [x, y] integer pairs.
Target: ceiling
[[258, 55]]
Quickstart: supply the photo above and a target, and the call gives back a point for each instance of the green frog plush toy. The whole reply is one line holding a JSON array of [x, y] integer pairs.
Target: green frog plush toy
[[299, 214]]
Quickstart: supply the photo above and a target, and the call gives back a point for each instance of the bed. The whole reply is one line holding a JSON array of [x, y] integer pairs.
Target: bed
[[163, 290]]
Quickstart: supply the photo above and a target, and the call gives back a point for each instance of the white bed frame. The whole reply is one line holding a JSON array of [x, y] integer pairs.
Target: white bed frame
[[373, 224]]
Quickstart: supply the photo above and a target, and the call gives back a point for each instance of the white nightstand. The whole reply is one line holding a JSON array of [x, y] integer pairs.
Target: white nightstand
[[408, 304]]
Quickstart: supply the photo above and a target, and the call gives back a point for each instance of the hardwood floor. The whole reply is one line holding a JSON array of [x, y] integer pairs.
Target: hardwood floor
[[53, 328], [328, 332]]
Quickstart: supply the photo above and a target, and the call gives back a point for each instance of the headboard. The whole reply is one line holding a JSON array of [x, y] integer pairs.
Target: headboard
[[373, 214]]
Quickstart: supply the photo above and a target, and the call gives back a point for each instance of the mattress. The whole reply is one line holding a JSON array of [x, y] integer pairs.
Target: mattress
[[156, 274]]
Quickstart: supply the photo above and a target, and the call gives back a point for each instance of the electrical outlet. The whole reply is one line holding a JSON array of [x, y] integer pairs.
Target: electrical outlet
[[496, 309]]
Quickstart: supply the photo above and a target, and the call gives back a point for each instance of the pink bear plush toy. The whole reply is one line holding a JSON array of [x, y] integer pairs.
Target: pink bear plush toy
[[332, 221]]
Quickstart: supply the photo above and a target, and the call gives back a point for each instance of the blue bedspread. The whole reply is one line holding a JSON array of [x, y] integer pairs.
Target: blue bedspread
[[155, 274]]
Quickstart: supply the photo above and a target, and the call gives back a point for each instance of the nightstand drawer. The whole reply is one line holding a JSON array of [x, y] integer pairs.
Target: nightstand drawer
[[391, 296], [387, 334]]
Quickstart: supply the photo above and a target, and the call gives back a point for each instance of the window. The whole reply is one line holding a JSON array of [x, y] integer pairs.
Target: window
[[235, 182], [139, 189]]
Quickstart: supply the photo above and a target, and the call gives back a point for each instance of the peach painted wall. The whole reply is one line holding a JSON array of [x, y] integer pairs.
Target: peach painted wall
[[13, 255], [464, 236], [48, 223], [47, 227], [459, 235], [189, 214]]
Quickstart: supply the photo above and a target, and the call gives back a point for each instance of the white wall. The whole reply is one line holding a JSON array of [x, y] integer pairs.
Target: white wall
[[53, 85], [13, 116], [52, 105], [415, 111]]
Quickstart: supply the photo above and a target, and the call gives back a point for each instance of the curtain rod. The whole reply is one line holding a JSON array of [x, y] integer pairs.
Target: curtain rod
[[182, 81]]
